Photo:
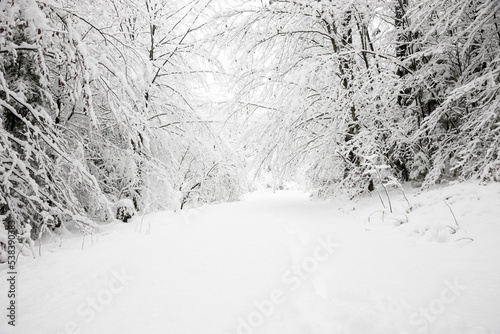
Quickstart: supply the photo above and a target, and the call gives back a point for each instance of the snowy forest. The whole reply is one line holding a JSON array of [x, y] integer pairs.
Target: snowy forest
[[381, 113], [179, 103]]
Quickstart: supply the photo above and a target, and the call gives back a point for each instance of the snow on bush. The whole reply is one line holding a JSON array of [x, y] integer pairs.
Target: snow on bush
[[124, 209]]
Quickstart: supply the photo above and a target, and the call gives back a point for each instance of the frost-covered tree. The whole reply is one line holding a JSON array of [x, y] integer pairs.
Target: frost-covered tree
[[44, 178], [168, 38], [98, 104], [310, 71], [455, 49], [334, 87]]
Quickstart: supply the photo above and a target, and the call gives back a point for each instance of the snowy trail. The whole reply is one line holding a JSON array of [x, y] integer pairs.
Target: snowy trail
[[272, 263]]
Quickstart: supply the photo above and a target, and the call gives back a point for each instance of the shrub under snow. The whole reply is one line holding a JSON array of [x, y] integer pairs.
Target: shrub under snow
[[124, 209]]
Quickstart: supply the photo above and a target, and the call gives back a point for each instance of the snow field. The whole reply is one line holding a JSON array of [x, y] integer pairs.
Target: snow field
[[277, 263]]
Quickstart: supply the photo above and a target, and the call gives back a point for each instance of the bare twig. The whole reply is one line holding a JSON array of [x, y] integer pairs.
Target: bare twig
[[381, 211], [464, 238], [20, 250], [380, 197], [404, 193], [454, 231], [449, 207], [144, 213]]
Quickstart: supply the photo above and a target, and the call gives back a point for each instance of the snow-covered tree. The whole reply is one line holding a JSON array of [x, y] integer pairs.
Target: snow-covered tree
[[331, 85], [455, 49], [98, 104], [44, 178]]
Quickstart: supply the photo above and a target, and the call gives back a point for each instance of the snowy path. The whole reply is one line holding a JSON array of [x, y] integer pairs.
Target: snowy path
[[269, 264]]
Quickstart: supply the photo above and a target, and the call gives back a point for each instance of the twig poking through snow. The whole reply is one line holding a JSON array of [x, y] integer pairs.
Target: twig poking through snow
[[380, 197], [464, 238], [454, 231], [449, 207], [143, 214], [20, 250]]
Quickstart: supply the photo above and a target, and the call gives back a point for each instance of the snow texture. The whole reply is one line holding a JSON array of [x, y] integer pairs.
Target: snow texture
[[277, 263]]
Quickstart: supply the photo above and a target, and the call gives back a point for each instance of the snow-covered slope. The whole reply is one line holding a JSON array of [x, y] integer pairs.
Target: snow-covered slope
[[277, 264]]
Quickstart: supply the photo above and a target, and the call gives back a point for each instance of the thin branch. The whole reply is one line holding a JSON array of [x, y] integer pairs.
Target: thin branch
[[449, 207]]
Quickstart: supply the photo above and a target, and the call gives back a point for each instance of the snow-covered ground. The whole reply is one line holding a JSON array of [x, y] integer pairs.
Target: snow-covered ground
[[277, 264]]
